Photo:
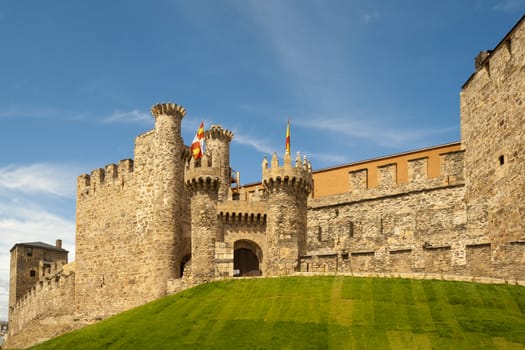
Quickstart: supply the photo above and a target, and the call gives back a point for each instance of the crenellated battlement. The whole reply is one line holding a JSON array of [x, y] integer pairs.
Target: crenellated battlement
[[200, 174], [53, 295], [217, 132], [48, 270], [451, 174], [242, 213], [297, 175], [172, 109], [111, 174]]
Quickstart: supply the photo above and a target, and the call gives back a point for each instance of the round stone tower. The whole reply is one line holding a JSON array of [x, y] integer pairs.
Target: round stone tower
[[168, 187], [218, 146], [288, 187], [203, 182]]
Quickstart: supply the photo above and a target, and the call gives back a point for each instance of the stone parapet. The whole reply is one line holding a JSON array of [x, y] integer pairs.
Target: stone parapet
[[242, 212], [451, 174], [171, 109], [377, 194], [201, 174], [52, 296], [100, 179], [217, 132], [297, 176]]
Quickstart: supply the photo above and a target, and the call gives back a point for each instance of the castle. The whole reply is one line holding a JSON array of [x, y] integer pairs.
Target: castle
[[164, 221]]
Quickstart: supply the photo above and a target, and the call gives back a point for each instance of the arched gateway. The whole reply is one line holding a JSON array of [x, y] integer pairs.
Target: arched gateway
[[247, 258]]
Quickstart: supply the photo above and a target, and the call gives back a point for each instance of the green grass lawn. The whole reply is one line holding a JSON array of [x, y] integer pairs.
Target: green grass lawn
[[317, 313]]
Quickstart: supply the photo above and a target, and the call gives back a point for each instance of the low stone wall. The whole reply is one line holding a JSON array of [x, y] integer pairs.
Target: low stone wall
[[45, 311], [478, 261], [417, 276]]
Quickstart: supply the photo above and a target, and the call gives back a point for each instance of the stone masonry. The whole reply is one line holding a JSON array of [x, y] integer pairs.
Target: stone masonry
[[164, 221]]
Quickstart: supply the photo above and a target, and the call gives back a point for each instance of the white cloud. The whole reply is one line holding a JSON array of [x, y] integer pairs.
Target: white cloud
[[329, 158], [375, 131], [40, 178], [133, 116], [29, 225], [27, 194], [255, 142], [510, 5]]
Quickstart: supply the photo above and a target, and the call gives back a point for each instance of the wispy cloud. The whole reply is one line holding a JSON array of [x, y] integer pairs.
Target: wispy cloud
[[18, 223], [133, 116], [368, 17], [253, 141], [509, 5], [289, 33], [329, 158], [383, 135], [42, 178]]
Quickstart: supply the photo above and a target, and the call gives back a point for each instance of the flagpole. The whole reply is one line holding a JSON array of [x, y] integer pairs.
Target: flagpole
[[288, 137]]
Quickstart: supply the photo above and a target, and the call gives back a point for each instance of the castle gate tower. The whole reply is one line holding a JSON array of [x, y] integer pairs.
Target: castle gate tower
[[168, 179], [218, 146], [288, 188], [203, 183]]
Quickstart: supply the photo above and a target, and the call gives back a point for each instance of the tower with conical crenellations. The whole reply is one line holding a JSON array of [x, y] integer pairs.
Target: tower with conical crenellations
[[168, 188], [203, 181], [218, 147], [287, 187]]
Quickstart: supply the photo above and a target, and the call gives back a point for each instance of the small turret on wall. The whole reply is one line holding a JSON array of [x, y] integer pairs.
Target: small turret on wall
[[288, 187]]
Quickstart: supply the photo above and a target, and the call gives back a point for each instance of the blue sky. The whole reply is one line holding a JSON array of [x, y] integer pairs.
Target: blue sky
[[357, 80]]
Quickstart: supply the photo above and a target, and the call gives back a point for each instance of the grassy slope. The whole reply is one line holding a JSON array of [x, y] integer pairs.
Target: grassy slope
[[317, 313]]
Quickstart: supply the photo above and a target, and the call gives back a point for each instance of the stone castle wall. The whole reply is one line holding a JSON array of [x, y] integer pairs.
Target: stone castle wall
[[46, 310], [132, 232], [410, 227], [493, 136], [105, 241]]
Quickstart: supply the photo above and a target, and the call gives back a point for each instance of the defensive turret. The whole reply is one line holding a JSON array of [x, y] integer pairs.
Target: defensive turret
[[203, 181], [168, 174], [218, 147], [288, 187]]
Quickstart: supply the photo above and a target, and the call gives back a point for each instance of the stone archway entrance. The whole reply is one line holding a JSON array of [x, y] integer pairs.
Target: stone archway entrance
[[247, 258]]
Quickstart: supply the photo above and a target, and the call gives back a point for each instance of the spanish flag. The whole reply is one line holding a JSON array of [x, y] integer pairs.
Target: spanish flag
[[288, 137], [197, 146]]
